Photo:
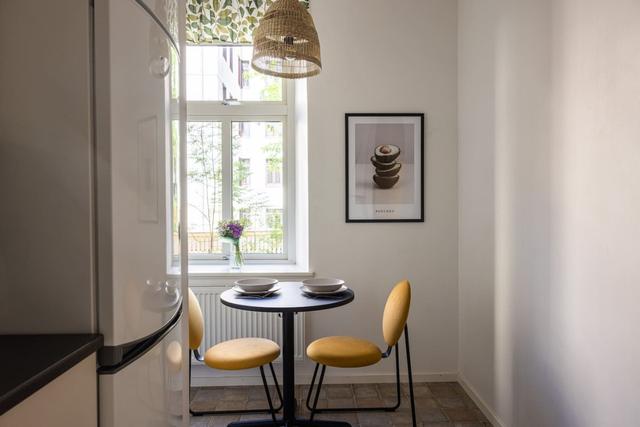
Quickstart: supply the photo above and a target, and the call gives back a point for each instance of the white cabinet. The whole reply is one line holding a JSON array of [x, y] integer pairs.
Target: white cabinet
[[71, 400]]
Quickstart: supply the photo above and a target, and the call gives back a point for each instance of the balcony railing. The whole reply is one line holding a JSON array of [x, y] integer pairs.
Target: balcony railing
[[252, 242]]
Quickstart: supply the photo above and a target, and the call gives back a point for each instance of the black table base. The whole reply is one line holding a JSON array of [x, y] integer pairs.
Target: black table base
[[291, 423]]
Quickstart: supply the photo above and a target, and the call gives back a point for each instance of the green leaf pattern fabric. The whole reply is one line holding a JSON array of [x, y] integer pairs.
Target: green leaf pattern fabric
[[225, 21]]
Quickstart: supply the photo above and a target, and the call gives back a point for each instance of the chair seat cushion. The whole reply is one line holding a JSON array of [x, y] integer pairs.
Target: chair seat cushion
[[344, 352], [241, 353]]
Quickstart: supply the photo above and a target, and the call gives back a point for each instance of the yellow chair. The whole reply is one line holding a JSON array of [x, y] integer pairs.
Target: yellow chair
[[350, 352], [237, 354]]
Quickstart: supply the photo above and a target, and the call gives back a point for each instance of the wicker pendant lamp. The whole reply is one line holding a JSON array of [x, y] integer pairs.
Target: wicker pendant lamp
[[285, 43]]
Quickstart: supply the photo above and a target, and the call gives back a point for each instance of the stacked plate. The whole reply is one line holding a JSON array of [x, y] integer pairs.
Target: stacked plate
[[323, 287], [387, 166], [257, 287]]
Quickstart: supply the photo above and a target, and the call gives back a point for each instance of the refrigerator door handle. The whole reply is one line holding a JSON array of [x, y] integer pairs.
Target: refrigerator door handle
[[129, 353]]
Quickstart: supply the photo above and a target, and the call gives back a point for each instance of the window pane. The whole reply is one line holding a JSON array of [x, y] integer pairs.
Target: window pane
[[204, 145], [258, 194], [216, 73]]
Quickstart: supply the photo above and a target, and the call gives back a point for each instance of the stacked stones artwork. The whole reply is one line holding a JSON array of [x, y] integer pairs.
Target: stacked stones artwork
[[387, 167]]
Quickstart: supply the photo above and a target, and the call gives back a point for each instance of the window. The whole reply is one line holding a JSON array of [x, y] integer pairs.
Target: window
[[245, 72], [229, 145], [207, 72], [274, 176], [274, 218], [244, 172]]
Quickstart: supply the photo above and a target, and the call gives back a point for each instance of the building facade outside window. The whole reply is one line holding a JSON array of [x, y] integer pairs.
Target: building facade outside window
[[274, 174]]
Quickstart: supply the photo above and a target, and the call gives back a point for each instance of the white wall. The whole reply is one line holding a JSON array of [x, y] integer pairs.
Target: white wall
[[476, 193], [555, 101], [383, 56]]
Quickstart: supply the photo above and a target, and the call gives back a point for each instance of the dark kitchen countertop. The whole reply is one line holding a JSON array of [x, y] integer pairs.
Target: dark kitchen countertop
[[29, 362]]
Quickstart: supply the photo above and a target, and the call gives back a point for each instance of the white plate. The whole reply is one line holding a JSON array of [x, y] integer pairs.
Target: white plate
[[256, 284], [308, 291], [270, 291], [323, 285]]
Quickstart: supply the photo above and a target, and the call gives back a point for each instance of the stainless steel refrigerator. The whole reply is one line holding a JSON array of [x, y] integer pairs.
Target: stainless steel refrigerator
[[94, 208]]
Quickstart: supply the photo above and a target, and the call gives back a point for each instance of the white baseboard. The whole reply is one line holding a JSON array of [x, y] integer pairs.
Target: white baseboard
[[486, 410], [199, 379]]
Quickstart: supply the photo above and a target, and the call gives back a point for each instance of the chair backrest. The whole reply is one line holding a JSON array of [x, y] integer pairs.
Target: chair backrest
[[196, 322], [396, 312]]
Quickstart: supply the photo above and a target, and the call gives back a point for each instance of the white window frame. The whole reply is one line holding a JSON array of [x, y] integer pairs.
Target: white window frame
[[280, 111]]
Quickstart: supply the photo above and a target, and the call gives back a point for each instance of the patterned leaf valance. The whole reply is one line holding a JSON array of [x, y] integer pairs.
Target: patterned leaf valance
[[224, 21]]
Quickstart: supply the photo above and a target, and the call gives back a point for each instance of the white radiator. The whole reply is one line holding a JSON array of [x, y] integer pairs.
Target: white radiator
[[222, 323]]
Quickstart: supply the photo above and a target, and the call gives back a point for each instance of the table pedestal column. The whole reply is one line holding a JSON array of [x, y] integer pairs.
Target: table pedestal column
[[288, 368]]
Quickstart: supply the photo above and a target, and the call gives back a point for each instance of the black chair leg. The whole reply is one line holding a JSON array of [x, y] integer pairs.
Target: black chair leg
[[413, 402], [271, 409], [356, 409], [315, 401], [313, 381], [266, 390], [275, 381]]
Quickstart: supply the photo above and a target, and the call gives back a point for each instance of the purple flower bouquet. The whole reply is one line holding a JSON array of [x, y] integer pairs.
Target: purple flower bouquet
[[231, 232]]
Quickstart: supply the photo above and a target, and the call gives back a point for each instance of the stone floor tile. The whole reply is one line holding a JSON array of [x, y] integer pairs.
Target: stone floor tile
[[235, 394], [470, 424], [338, 391], [443, 390], [199, 404], [374, 419], [259, 404], [322, 404], [231, 405], [461, 414], [422, 402], [223, 420], [303, 391], [370, 402], [431, 415], [451, 402], [437, 404], [346, 402], [349, 417], [366, 391], [254, 417], [257, 392], [419, 390], [210, 394], [480, 416], [459, 389], [387, 390], [200, 421], [404, 402], [401, 417]]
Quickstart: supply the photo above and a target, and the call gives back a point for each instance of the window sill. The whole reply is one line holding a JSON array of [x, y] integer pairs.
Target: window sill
[[251, 270]]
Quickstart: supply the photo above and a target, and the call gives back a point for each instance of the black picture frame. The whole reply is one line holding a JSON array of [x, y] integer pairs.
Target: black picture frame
[[421, 217]]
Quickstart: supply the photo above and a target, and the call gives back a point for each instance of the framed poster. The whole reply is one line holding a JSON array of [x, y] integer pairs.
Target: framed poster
[[385, 167]]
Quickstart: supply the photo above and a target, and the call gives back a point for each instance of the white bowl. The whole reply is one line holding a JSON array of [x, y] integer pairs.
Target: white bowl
[[256, 284], [323, 285]]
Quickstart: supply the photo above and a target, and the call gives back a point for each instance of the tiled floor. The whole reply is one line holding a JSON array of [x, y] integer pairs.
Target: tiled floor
[[437, 404]]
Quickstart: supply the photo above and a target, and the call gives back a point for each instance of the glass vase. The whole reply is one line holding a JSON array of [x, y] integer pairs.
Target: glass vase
[[236, 260]]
